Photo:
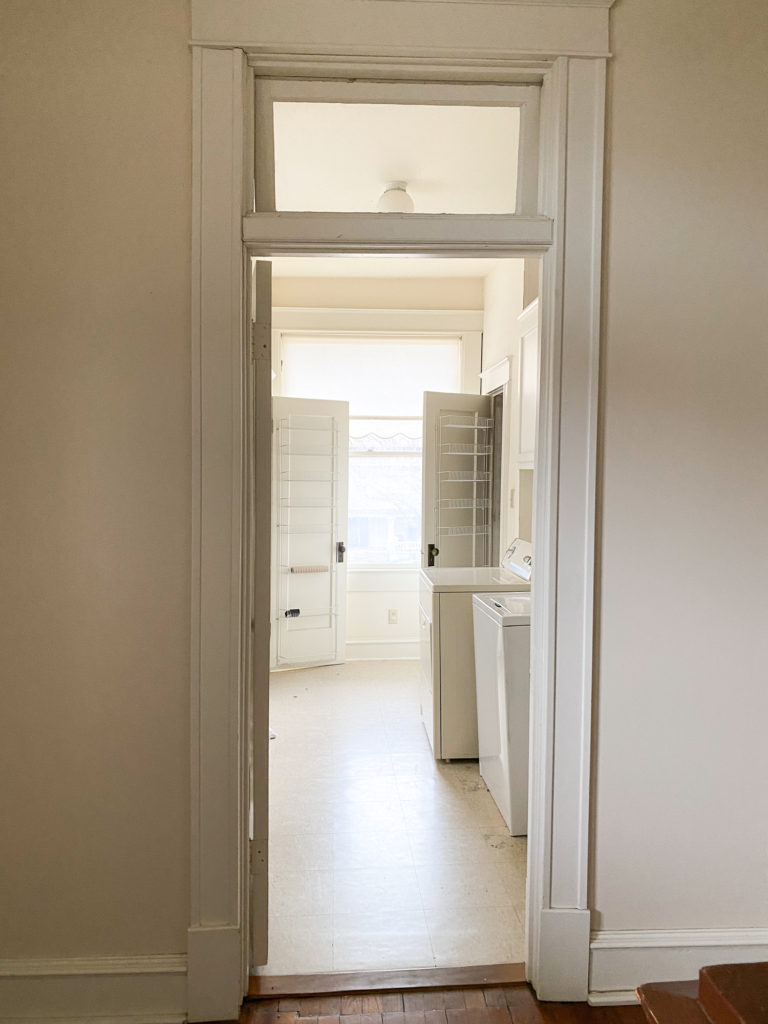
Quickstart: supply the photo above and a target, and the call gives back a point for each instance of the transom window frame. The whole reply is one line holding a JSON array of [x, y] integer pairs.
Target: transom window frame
[[269, 91]]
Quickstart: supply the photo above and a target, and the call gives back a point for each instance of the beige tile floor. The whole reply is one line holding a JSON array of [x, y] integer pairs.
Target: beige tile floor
[[380, 857]]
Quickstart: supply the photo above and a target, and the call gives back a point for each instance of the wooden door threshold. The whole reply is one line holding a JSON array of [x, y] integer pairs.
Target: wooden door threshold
[[263, 986]]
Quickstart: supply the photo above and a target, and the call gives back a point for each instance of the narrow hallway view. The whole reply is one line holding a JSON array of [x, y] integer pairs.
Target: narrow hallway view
[[381, 857]]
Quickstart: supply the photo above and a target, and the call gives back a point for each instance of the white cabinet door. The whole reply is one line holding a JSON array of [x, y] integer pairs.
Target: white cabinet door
[[528, 389], [310, 469], [457, 483]]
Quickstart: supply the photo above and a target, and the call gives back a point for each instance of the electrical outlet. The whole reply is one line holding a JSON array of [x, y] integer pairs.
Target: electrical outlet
[[392, 616]]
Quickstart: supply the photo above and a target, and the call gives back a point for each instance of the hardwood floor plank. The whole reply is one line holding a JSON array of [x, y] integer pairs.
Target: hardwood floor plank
[[363, 1018], [434, 1017], [392, 1002], [473, 998], [503, 1004], [495, 998], [495, 1015], [522, 1005], [372, 1004], [416, 1017], [413, 1001], [309, 1008], [351, 1004]]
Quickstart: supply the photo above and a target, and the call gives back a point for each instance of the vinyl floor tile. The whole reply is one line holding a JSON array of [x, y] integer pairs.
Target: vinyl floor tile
[[392, 939], [380, 857]]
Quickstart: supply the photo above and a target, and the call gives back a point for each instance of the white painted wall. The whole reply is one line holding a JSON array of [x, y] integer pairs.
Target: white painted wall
[[680, 835], [502, 302], [370, 597], [95, 453]]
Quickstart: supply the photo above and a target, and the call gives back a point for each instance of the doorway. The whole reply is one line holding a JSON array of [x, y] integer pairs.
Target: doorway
[[383, 857], [222, 653]]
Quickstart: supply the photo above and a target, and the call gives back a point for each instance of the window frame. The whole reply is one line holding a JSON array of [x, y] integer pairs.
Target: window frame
[[525, 97], [469, 345]]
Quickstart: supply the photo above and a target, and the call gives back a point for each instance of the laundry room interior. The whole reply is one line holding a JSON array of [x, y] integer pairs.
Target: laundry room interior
[[378, 808], [404, 408]]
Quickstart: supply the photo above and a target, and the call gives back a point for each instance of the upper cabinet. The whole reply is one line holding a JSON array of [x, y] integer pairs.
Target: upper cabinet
[[528, 384]]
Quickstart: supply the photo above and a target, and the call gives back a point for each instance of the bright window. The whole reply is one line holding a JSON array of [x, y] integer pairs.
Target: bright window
[[384, 379]]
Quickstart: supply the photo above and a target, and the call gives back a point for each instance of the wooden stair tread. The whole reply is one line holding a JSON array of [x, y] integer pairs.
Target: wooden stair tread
[[672, 1002], [735, 993]]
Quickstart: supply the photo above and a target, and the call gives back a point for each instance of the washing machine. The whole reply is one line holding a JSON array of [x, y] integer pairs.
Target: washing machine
[[502, 672], [448, 692]]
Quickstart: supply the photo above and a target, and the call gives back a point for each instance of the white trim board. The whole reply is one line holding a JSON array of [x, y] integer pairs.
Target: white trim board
[[382, 650], [141, 989], [404, 29], [418, 234], [620, 961], [60, 967], [123, 1018]]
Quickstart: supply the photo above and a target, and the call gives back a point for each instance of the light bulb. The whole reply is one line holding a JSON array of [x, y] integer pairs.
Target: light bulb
[[395, 199]]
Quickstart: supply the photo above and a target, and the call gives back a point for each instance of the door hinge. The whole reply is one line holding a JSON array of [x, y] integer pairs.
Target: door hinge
[[261, 347]]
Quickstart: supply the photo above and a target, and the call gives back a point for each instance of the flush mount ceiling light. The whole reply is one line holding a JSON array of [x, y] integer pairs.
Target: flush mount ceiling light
[[395, 199]]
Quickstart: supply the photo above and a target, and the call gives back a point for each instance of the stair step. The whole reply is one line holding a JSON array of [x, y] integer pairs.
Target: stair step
[[735, 993], [672, 1002]]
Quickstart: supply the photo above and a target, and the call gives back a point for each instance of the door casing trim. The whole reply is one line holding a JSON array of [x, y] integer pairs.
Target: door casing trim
[[571, 155]]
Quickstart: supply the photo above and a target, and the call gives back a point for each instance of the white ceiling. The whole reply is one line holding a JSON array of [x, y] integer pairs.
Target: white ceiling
[[341, 156], [379, 266]]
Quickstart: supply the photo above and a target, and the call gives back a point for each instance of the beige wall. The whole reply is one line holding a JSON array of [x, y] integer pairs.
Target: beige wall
[[680, 825], [95, 466], [379, 293], [95, 456]]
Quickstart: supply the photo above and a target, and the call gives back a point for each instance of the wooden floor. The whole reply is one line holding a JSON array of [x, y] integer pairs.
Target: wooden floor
[[513, 1004]]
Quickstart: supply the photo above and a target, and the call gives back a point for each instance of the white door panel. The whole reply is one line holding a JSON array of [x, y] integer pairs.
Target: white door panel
[[457, 480], [309, 502], [256, 558]]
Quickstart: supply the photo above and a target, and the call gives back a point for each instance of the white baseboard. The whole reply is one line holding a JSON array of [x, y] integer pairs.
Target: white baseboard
[[563, 955], [130, 1018], [96, 990], [382, 650], [620, 961], [215, 985]]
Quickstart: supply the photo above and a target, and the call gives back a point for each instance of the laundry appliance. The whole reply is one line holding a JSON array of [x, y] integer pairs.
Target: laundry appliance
[[502, 670], [447, 650]]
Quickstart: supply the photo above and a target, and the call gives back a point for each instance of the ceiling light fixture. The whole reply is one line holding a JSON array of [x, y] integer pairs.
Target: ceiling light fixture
[[395, 199]]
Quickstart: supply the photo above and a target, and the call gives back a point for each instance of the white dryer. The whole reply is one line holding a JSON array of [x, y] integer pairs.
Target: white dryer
[[502, 659], [448, 701]]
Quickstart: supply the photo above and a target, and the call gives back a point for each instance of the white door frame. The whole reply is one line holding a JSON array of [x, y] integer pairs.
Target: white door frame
[[573, 93]]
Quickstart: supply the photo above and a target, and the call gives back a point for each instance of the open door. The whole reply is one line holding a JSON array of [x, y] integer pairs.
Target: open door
[[256, 558], [310, 470], [457, 480]]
